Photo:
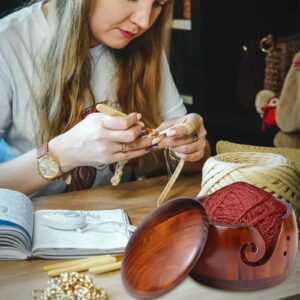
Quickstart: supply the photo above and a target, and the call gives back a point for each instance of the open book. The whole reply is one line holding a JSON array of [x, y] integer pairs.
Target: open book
[[58, 233]]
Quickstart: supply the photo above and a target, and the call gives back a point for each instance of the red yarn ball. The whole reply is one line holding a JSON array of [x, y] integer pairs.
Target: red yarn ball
[[241, 203]]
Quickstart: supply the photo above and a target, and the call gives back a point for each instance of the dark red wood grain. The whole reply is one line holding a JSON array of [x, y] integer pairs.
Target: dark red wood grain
[[176, 239], [164, 248], [227, 263]]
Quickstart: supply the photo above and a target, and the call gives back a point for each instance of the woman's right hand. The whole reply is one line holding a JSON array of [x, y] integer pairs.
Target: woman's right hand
[[100, 139]]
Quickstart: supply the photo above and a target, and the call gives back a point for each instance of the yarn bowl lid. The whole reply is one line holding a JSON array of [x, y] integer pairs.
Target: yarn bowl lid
[[164, 248]]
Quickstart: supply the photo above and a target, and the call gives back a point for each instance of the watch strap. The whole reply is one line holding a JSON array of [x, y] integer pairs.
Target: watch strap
[[42, 150]]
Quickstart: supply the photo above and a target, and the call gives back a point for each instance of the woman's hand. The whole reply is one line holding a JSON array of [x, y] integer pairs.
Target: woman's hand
[[100, 139], [185, 136]]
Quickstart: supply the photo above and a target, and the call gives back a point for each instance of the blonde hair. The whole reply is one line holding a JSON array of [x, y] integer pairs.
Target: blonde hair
[[66, 73]]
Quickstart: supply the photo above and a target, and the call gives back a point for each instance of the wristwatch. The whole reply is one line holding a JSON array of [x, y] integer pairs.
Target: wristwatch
[[48, 166]]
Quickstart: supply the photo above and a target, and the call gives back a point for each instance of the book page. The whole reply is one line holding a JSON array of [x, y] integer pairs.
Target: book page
[[105, 232], [16, 225], [16, 212]]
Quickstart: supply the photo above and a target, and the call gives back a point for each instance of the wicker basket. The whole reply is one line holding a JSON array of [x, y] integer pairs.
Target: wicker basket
[[271, 172], [291, 153]]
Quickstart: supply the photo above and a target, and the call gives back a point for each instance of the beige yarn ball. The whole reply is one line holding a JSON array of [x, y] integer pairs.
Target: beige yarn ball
[[271, 172]]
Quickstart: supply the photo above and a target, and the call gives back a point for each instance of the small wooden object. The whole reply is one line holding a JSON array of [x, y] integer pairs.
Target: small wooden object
[[100, 269], [164, 248], [82, 266], [95, 259]]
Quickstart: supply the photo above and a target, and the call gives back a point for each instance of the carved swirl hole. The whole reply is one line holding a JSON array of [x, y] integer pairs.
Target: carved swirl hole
[[288, 237], [254, 248], [284, 253]]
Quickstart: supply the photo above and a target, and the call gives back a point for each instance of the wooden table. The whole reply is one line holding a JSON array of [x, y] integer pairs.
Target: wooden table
[[19, 278]]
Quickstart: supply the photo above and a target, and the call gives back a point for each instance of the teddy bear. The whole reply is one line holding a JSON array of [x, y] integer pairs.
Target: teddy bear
[[283, 110]]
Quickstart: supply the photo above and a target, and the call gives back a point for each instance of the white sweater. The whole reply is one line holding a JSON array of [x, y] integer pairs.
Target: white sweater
[[22, 36]]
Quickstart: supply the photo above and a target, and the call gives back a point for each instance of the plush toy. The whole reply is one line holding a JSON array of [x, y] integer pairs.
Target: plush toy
[[262, 99], [269, 114], [266, 104], [283, 110], [288, 111]]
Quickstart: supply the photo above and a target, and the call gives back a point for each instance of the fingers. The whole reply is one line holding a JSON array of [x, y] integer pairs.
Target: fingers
[[121, 136], [191, 152], [141, 143], [186, 137], [169, 123], [127, 155], [182, 126], [124, 136], [123, 129], [184, 140], [179, 130], [120, 122], [112, 140]]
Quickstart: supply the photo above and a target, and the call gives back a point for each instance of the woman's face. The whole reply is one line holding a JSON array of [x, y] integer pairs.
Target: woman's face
[[117, 22]]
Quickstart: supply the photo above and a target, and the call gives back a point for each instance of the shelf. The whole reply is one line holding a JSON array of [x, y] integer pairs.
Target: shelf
[[182, 24]]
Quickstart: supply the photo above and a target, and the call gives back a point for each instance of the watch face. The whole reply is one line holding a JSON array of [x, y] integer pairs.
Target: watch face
[[48, 167]]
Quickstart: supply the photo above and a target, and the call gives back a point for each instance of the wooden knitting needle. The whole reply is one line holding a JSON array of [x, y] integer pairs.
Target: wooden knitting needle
[[113, 112], [83, 266], [105, 109], [106, 268], [76, 262]]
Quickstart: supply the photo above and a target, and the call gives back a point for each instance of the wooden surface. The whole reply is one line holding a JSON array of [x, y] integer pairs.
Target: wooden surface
[[138, 199]]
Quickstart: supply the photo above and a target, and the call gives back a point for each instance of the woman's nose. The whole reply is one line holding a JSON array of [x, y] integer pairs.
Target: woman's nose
[[142, 16]]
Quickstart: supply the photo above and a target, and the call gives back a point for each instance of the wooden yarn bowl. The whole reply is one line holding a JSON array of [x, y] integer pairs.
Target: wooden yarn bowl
[[227, 263], [177, 240]]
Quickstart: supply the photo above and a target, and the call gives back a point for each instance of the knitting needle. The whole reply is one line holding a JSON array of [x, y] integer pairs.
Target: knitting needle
[[113, 112], [75, 262], [83, 266], [106, 268]]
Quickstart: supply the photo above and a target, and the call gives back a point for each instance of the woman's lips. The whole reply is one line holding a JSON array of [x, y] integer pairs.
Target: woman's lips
[[126, 34]]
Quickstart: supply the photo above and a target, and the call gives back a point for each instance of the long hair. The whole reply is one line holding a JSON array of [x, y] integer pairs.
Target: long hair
[[66, 74], [139, 81]]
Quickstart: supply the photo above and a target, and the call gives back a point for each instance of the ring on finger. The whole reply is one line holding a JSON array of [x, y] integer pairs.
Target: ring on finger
[[195, 136], [123, 147]]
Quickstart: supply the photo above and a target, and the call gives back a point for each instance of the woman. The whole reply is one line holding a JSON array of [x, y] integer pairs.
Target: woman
[[59, 57]]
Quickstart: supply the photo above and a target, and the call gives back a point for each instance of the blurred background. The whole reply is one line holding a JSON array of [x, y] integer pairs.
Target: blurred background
[[218, 65]]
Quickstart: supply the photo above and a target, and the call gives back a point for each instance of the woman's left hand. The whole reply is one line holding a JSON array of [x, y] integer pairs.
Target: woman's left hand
[[185, 136]]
